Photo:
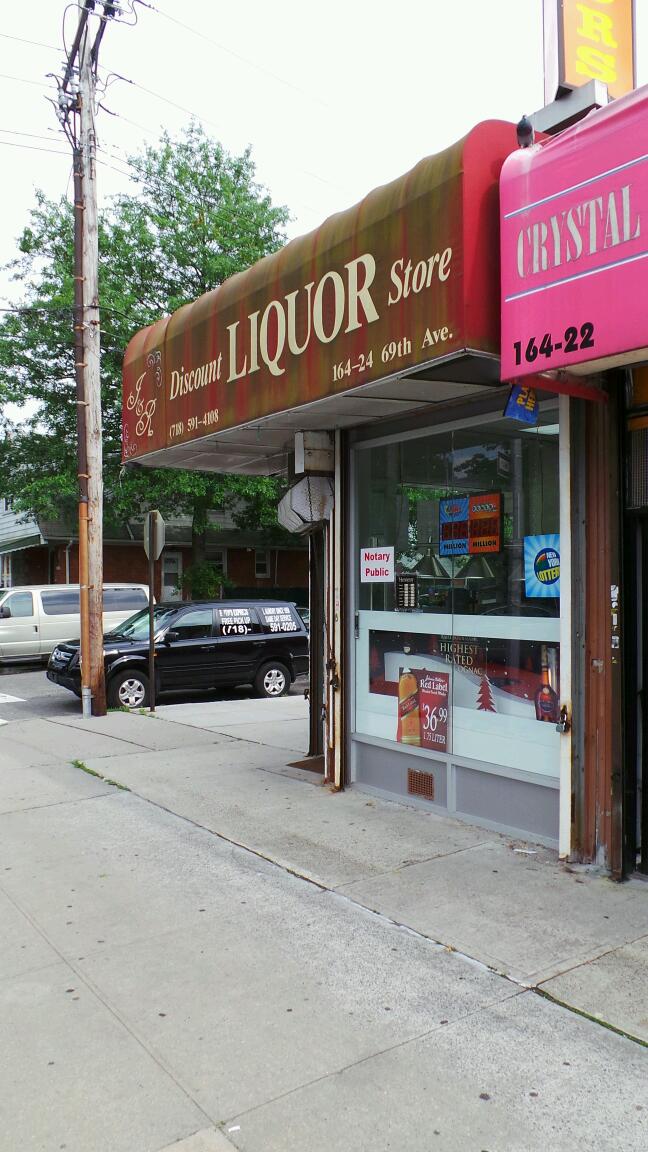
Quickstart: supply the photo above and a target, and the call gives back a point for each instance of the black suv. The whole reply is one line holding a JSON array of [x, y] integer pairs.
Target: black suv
[[198, 645]]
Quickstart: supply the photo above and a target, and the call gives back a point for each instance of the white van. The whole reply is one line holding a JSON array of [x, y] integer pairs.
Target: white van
[[33, 619]]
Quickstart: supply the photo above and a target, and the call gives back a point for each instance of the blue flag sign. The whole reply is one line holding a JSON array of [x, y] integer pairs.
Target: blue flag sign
[[522, 404]]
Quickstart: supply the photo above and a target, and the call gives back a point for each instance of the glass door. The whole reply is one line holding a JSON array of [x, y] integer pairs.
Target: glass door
[[171, 576], [457, 650], [636, 759]]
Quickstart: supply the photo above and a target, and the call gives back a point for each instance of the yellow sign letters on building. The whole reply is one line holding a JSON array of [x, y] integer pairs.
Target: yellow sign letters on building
[[595, 41]]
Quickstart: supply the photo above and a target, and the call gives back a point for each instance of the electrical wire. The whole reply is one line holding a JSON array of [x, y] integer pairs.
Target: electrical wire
[[134, 123], [34, 43], [237, 55], [31, 135], [21, 80], [34, 148], [114, 153], [105, 164], [211, 123], [165, 100], [65, 308]]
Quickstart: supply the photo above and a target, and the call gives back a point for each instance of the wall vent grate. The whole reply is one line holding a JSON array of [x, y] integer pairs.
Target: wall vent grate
[[637, 476], [420, 783]]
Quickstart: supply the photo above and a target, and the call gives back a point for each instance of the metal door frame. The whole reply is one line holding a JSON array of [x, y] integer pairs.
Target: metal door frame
[[636, 632]]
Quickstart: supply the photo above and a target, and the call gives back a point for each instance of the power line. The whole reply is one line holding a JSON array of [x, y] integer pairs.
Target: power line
[[31, 135], [237, 55], [202, 120], [165, 100], [172, 103], [134, 123], [124, 171], [39, 308], [65, 309], [34, 148], [21, 80], [34, 43], [120, 171]]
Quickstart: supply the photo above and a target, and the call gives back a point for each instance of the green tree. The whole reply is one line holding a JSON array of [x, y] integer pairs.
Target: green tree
[[195, 217]]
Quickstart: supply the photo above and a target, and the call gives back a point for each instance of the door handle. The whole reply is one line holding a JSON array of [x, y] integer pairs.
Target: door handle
[[207, 647], [258, 643]]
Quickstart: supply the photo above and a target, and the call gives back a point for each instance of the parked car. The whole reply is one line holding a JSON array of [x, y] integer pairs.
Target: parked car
[[198, 645], [35, 618]]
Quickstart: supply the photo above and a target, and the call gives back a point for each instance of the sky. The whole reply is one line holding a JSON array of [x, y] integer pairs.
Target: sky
[[334, 100]]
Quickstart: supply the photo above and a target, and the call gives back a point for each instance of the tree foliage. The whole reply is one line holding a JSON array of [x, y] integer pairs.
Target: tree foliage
[[195, 217]]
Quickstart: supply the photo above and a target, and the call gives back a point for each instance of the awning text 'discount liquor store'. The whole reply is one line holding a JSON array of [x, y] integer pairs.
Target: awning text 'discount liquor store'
[[405, 278]]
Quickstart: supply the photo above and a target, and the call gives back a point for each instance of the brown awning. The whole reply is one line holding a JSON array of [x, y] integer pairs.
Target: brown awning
[[386, 307]]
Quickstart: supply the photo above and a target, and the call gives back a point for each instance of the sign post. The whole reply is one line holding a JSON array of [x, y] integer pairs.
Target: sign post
[[154, 532]]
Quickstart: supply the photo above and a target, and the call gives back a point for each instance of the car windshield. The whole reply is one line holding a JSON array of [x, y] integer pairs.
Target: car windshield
[[137, 627]]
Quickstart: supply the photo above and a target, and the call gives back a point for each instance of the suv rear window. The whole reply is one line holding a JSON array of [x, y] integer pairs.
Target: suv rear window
[[279, 618], [234, 621]]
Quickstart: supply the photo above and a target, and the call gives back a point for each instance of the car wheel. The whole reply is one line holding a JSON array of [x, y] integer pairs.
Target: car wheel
[[272, 680], [129, 690]]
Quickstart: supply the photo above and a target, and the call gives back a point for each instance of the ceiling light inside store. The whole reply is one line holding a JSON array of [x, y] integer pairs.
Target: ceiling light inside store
[[544, 429]]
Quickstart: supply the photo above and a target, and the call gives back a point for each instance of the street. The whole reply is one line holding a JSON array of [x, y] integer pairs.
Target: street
[[35, 695], [194, 963]]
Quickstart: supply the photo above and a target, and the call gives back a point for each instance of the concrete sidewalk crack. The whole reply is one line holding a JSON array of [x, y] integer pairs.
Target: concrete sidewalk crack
[[374, 1055], [341, 888], [544, 995], [127, 740], [592, 959], [62, 803]]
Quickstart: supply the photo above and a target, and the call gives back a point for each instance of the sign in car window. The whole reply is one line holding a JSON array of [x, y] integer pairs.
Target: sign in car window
[[237, 621], [278, 618]]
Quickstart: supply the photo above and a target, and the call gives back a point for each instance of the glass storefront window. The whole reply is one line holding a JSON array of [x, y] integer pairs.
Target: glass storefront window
[[458, 638]]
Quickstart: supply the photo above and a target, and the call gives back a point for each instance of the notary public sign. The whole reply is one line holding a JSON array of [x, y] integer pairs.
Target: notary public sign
[[574, 245], [399, 281], [377, 565]]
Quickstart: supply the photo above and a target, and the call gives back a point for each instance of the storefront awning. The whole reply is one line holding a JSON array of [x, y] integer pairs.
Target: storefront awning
[[386, 307], [20, 543], [574, 243]]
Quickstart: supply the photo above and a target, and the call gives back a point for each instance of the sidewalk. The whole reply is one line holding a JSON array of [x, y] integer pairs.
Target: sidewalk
[[164, 983], [573, 934]]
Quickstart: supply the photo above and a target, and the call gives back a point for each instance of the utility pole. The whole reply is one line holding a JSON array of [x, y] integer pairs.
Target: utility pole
[[91, 349], [76, 107]]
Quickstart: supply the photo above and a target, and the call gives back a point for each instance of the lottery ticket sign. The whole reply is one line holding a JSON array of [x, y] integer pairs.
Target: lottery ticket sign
[[485, 523], [470, 525]]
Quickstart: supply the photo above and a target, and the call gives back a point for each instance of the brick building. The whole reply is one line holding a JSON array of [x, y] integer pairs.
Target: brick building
[[46, 552]]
